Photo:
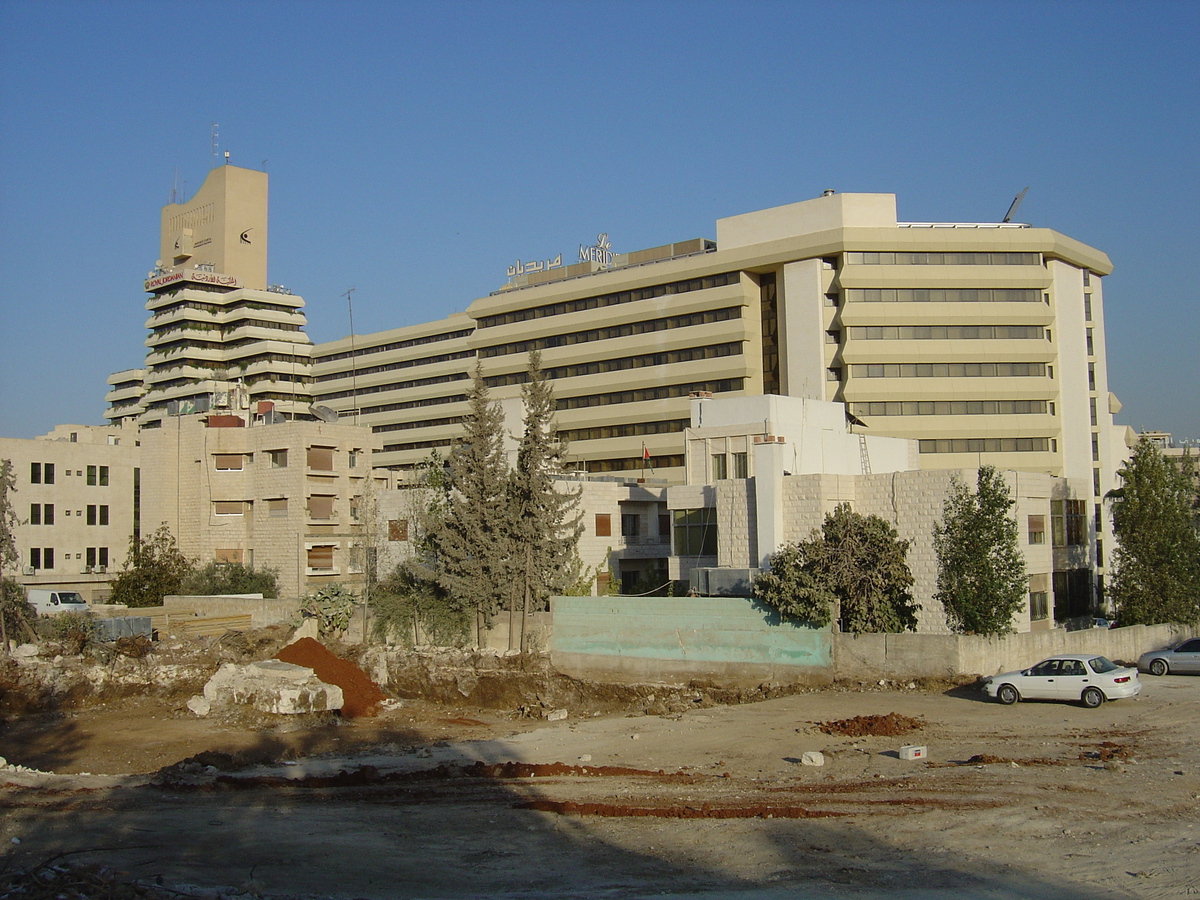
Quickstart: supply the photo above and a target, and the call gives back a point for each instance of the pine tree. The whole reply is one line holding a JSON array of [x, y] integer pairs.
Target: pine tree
[[852, 570], [981, 571], [471, 551], [1156, 565], [544, 521]]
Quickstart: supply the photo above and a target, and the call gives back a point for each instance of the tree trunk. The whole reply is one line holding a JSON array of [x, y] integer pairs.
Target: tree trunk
[[525, 603]]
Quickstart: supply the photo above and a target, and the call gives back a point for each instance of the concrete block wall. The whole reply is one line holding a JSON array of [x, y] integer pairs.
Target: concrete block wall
[[664, 638], [737, 539], [262, 612]]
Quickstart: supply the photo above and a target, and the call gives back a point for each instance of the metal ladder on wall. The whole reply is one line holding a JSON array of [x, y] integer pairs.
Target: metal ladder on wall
[[864, 455]]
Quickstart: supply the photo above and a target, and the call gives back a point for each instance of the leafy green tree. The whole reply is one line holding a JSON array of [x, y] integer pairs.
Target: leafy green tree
[[17, 615], [231, 578], [470, 551], [1156, 565], [154, 568], [852, 570], [981, 571], [544, 522]]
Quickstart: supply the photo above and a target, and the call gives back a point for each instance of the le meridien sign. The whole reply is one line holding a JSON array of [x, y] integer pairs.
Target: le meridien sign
[[158, 282], [600, 252]]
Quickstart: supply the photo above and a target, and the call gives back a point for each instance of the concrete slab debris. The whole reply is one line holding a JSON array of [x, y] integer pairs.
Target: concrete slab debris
[[270, 686]]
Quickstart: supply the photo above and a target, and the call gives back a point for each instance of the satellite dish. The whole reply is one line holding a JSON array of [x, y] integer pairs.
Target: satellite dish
[[1012, 209], [324, 413]]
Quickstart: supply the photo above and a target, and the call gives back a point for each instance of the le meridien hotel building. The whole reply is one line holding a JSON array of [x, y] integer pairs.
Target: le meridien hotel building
[[984, 342]]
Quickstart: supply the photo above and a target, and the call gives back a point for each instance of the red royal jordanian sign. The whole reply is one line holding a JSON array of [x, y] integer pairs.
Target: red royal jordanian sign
[[158, 282]]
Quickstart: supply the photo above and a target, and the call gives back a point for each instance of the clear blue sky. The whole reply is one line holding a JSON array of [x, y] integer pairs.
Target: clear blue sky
[[417, 149]]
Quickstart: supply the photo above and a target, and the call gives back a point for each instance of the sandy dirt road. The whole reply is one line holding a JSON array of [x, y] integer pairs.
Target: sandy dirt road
[[1039, 800]]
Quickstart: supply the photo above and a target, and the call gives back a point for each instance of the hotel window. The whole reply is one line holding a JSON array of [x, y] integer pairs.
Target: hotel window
[[91, 515], [943, 259], [1039, 605], [1099, 553], [1095, 448], [946, 332], [1096, 482], [629, 525], [664, 525], [320, 506], [1091, 376], [35, 473], [91, 475], [1068, 522], [1095, 416], [833, 373], [90, 557], [229, 508], [603, 525], [741, 465], [354, 509], [696, 532], [831, 300], [1087, 278], [944, 295], [228, 462], [833, 336], [320, 458], [720, 469], [352, 458], [103, 514], [278, 458], [1091, 343], [277, 508], [104, 476], [1087, 307], [1037, 529]]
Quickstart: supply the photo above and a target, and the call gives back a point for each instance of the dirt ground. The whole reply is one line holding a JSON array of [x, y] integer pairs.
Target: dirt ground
[[696, 799]]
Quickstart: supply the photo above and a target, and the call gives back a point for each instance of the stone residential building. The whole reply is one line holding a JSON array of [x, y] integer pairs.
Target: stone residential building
[[77, 501], [281, 495]]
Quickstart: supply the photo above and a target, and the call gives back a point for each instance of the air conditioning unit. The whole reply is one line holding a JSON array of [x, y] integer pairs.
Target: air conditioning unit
[[27, 570], [86, 570], [102, 569]]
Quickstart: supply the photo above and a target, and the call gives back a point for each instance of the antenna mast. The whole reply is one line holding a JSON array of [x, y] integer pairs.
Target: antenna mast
[[353, 363], [212, 152], [1012, 209]]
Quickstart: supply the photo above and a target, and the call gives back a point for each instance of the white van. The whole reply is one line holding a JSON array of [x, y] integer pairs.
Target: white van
[[52, 601]]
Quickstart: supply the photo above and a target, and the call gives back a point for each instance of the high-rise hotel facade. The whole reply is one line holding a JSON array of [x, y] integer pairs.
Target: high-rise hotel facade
[[219, 336], [983, 342]]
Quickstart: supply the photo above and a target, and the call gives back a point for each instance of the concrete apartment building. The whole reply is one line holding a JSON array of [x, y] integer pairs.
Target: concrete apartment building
[[272, 494], [77, 502], [220, 336]]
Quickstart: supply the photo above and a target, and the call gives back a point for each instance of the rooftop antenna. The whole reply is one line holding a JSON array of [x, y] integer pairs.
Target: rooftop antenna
[[1012, 209], [175, 187], [353, 363], [212, 150]]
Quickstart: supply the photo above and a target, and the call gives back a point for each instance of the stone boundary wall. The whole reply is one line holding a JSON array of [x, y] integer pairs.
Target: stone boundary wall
[[732, 639], [903, 656], [262, 612]]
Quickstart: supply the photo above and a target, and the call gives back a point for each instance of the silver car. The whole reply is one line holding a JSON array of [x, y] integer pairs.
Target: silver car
[[1085, 677], [1182, 658]]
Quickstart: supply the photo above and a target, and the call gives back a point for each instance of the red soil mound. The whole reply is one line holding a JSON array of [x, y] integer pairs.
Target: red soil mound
[[361, 696]]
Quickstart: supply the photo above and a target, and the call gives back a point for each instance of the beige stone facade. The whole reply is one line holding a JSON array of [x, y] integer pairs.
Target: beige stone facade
[[287, 496], [76, 502], [220, 337]]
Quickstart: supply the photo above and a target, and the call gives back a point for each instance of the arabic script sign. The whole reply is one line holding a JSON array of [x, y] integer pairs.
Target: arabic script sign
[[537, 265], [160, 281], [599, 253]]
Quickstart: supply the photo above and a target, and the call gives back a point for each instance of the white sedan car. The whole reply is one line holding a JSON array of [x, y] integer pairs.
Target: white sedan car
[[1085, 677]]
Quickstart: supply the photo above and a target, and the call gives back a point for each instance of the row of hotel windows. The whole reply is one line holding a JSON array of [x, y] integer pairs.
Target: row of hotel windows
[[662, 392], [615, 331], [944, 295], [604, 300], [600, 367], [988, 445], [395, 345], [43, 514], [391, 367], [632, 429], [950, 370], [856, 258], [945, 332], [43, 473], [385, 388], [950, 408], [43, 557]]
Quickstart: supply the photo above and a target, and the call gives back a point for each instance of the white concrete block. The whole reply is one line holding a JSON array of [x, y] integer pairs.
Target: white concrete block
[[912, 752]]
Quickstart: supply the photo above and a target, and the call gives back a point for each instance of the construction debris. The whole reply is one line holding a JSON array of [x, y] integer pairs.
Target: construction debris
[[270, 686]]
